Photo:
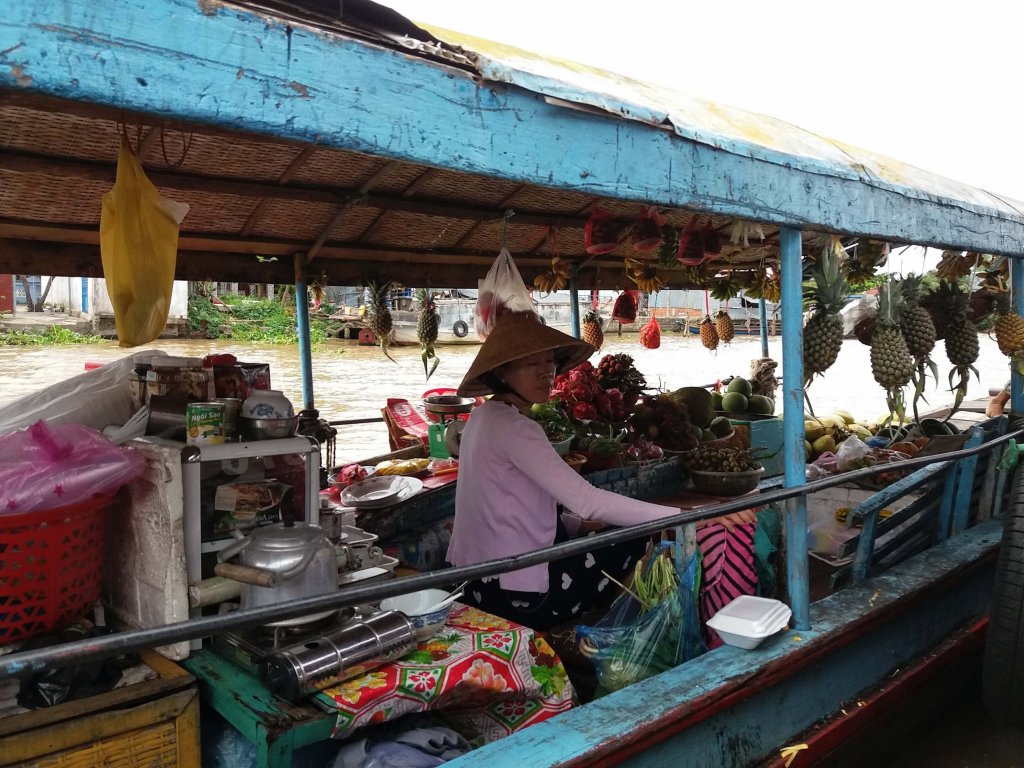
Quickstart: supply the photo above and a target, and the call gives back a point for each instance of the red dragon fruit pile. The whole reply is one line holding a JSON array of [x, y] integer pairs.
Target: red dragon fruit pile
[[585, 399]]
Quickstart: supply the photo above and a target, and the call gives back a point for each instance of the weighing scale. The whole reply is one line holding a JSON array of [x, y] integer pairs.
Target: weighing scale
[[444, 436]]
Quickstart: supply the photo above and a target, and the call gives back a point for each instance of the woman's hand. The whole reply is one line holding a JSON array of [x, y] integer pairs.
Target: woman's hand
[[997, 404], [742, 517]]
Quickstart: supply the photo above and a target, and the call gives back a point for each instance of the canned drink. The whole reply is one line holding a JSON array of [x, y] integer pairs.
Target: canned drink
[[204, 423], [232, 408]]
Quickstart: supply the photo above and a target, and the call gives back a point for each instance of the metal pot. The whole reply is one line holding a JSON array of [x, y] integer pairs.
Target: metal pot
[[280, 563]]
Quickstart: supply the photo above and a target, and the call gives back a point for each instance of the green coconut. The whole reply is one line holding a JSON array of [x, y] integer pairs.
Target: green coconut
[[734, 402], [740, 385], [760, 405], [721, 426]]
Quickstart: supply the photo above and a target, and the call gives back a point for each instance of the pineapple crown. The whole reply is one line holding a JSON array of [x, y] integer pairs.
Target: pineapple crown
[[592, 317], [890, 302], [831, 287], [911, 288], [952, 296], [1003, 303]]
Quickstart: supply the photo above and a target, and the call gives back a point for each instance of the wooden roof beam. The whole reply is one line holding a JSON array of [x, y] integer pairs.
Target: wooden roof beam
[[23, 162]]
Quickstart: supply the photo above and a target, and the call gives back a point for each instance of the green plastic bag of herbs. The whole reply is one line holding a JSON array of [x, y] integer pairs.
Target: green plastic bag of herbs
[[651, 627]]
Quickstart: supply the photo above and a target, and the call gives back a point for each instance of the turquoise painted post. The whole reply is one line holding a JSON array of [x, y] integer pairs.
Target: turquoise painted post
[[302, 328], [762, 323], [1016, 381], [791, 252], [574, 299]]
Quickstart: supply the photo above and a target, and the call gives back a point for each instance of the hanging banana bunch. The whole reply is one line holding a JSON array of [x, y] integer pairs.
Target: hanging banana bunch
[[868, 256], [644, 275], [725, 288], [957, 264], [554, 279]]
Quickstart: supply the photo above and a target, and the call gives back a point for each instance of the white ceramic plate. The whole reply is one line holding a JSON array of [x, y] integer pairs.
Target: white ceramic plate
[[380, 491]]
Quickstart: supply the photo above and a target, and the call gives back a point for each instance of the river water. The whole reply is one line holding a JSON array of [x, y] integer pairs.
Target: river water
[[354, 381]]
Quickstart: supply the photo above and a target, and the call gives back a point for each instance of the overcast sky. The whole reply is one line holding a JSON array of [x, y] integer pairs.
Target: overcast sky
[[933, 84]]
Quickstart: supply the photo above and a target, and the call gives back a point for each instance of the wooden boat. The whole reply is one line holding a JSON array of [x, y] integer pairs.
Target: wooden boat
[[365, 145]]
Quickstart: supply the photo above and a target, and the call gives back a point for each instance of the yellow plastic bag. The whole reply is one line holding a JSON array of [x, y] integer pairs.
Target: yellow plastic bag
[[138, 246]]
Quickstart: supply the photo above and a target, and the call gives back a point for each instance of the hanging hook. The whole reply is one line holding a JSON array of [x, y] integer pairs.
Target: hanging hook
[[504, 230]]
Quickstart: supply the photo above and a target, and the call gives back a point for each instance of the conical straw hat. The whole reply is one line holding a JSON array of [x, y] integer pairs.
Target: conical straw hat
[[519, 335]]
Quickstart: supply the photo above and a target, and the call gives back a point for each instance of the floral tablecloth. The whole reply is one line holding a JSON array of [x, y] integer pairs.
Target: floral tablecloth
[[491, 677]]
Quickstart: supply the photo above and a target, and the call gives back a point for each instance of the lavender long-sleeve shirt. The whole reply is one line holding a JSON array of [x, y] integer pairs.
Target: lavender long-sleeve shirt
[[510, 483]]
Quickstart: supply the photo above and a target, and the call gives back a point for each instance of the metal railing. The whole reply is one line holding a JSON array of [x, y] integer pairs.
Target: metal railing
[[82, 651]]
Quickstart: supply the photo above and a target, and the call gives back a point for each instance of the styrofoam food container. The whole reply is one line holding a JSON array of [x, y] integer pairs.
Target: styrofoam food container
[[748, 620]]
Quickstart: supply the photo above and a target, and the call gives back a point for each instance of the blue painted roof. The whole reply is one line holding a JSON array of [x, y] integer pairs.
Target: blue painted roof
[[734, 130]]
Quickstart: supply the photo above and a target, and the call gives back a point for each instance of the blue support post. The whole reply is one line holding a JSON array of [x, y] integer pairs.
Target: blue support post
[[762, 322], [302, 328], [574, 299], [791, 253], [1016, 381], [965, 472]]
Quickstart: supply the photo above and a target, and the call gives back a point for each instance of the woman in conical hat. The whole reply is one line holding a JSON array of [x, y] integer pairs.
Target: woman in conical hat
[[512, 482]]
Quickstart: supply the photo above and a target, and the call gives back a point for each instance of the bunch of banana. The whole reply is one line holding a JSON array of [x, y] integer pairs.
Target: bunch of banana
[[956, 264], [549, 281], [646, 278], [555, 278], [725, 288]]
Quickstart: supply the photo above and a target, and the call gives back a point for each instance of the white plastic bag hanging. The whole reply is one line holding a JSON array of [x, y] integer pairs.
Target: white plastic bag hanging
[[501, 291]]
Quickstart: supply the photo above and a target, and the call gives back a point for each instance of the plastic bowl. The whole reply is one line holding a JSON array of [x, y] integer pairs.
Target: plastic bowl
[[413, 604], [267, 429], [726, 483]]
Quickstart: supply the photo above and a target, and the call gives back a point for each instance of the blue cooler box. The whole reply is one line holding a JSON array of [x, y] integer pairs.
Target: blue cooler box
[[764, 437]]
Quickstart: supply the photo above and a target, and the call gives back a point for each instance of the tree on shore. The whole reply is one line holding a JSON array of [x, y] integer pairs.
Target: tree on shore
[[35, 305]]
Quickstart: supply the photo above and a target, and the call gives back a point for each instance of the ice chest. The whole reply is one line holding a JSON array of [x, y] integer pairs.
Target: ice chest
[[748, 620], [764, 437]]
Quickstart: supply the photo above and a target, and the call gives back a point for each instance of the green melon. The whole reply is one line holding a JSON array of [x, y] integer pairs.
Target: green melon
[[760, 405], [734, 402], [721, 426], [740, 385], [700, 405]]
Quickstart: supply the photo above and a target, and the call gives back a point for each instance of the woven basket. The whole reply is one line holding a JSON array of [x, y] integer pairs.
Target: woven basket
[[726, 483]]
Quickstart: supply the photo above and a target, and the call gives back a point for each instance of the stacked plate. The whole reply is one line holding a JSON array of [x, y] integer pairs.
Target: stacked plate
[[380, 491]]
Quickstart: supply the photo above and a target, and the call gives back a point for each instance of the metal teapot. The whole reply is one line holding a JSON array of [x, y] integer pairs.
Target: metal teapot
[[282, 562]]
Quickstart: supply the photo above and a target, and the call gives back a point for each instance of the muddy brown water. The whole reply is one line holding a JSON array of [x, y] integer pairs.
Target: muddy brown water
[[354, 381]]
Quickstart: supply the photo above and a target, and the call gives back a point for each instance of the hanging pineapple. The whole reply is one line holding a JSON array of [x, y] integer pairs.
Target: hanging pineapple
[[915, 321], [891, 363], [1009, 327], [823, 333], [708, 333], [961, 337], [724, 326], [426, 331], [379, 315], [919, 333], [591, 331]]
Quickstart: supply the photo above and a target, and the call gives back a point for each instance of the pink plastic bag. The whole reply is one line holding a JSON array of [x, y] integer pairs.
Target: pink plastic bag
[[503, 290], [44, 466]]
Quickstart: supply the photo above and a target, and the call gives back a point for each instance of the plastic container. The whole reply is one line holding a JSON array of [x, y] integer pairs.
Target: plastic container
[[52, 566], [748, 620]]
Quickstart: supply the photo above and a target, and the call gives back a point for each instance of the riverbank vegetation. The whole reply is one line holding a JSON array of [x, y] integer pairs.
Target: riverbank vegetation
[[270, 321], [49, 337]]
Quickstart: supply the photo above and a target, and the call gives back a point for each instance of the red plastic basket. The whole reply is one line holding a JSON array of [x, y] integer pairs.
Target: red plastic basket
[[51, 566]]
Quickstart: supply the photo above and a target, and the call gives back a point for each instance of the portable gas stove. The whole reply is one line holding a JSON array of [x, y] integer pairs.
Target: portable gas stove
[[248, 647]]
